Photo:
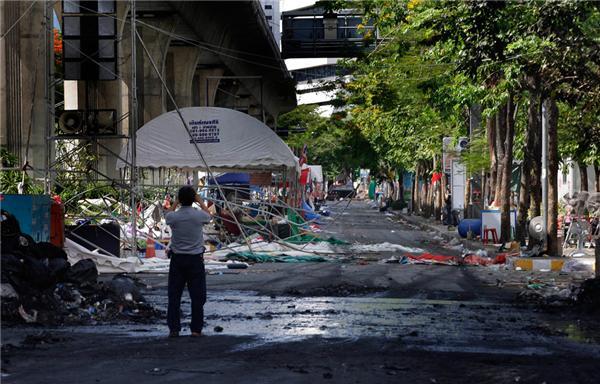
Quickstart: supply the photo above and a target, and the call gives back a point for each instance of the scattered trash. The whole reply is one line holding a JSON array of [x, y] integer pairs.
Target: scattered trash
[[536, 250], [236, 265], [8, 292], [125, 288], [548, 293], [384, 247], [40, 286], [578, 265], [26, 316], [428, 258], [266, 258]]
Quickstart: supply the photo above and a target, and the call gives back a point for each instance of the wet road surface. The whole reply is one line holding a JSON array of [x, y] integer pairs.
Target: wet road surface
[[330, 322]]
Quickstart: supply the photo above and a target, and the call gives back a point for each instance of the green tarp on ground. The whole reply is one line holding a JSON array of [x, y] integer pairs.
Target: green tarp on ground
[[296, 222], [308, 238], [264, 258]]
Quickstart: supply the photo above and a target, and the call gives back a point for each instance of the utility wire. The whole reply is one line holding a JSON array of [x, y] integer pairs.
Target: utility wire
[[183, 122], [18, 20]]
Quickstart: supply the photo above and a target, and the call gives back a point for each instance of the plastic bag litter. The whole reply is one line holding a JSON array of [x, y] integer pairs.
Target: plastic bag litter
[[454, 241], [8, 292], [578, 265]]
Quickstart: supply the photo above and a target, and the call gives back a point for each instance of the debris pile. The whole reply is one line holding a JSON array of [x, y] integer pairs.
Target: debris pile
[[476, 259], [586, 295], [39, 285], [546, 293]]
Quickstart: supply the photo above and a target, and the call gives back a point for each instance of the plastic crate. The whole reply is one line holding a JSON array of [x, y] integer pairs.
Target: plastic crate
[[32, 212]]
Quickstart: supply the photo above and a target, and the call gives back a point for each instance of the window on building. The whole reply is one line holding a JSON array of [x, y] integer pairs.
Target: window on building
[[268, 6], [269, 17]]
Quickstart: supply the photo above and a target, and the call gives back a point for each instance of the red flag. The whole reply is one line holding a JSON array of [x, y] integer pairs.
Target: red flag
[[303, 155]]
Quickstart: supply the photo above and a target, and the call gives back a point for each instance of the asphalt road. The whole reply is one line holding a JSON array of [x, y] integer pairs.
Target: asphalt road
[[354, 321]]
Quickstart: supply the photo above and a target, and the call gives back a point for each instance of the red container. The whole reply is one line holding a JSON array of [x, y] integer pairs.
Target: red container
[[57, 224]]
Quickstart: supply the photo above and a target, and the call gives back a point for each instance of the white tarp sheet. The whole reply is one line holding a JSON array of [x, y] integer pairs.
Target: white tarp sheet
[[110, 264], [316, 172], [311, 249], [228, 139]]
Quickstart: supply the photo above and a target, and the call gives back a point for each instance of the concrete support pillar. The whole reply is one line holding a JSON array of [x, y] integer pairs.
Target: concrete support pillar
[[180, 70], [208, 89], [23, 113], [152, 95]]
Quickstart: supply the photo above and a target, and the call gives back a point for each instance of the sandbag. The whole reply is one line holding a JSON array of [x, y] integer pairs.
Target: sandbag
[[125, 288], [12, 268], [84, 271], [37, 273], [9, 231], [51, 251], [59, 268]]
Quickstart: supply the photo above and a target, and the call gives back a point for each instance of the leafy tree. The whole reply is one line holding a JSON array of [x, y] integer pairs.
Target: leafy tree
[[335, 143]]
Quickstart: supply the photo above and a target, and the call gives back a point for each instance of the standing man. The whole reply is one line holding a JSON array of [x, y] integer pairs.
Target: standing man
[[187, 263]]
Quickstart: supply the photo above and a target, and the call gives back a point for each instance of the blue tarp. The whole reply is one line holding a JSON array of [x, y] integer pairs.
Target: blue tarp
[[308, 212], [231, 178]]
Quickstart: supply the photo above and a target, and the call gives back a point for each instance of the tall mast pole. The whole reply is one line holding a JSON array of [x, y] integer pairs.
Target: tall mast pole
[[48, 93], [133, 125]]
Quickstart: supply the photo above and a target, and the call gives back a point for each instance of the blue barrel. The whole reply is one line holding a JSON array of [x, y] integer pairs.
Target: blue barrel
[[466, 225]]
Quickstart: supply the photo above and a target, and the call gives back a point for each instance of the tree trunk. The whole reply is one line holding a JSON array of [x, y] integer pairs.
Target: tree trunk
[[552, 224], [401, 187], [509, 135], [484, 185], [425, 193], [500, 149], [597, 168], [491, 136], [584, 185], [439, 200], [467, 196], [443, 187], [416, 200], [427, 186], [536, 165], [526, 168]]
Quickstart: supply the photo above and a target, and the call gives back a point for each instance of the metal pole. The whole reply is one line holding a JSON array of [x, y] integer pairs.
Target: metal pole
[[207, 103], [48, 55], [545, 172], [262, 106], [133, 119]]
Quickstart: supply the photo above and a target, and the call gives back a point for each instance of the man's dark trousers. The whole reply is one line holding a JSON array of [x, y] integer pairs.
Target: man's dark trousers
[[186, 270]]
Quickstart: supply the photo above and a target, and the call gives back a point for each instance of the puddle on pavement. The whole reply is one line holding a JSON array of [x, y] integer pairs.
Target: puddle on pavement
[[437, 325]]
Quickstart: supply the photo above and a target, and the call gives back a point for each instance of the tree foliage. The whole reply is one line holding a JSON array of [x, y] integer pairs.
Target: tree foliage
[[335, 143]]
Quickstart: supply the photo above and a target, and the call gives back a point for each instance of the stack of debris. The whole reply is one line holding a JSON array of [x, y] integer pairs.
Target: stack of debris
[[39, 285], [585, 296]]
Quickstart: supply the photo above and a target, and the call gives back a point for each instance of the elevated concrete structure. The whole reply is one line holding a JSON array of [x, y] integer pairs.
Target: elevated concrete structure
[[23, 112], [217, 53]]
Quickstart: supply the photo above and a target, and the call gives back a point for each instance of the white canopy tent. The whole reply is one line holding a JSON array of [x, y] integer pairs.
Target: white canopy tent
[[228, 139]]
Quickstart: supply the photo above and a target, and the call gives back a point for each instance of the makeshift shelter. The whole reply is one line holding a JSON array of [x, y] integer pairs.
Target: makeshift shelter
[[228, 139]]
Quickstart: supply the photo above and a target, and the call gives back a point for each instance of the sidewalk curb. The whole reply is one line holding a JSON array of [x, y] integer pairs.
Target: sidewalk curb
[[448, 236], [554, 264], [537, 264]]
